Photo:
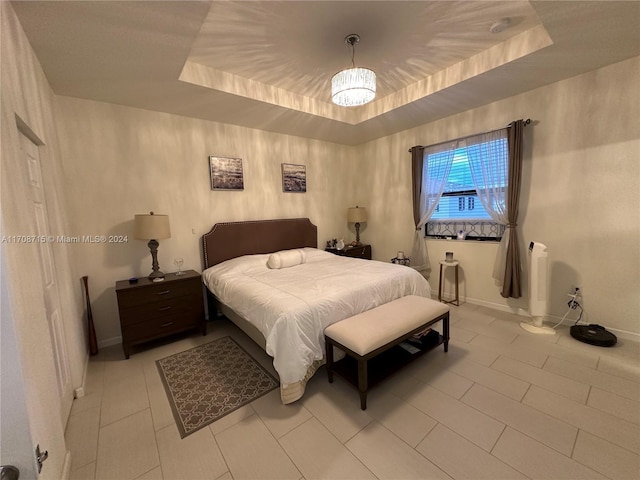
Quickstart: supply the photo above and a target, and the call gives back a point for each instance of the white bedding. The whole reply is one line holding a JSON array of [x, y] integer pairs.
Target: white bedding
[[292, 306]]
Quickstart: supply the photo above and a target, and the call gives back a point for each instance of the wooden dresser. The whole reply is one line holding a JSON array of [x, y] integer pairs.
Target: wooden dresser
[[362, 251], [150, 310]]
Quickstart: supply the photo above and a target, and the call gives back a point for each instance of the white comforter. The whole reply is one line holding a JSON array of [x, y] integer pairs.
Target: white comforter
[[292, 306]]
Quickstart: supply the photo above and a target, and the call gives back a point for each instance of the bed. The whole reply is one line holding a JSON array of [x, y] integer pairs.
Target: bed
[[285, 310]]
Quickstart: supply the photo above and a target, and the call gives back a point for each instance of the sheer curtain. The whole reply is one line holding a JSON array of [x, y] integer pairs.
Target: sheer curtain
[[489, 163], [495, 159], [430, 170]]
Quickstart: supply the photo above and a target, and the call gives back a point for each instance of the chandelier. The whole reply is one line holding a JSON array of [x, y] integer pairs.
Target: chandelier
[[353, 86]]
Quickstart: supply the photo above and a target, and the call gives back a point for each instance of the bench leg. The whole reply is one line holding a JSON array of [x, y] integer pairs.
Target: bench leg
[[445, 332], [363, 384], [329, 357]]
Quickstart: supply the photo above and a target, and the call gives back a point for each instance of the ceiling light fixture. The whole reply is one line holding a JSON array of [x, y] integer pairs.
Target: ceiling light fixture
[[353, 86]]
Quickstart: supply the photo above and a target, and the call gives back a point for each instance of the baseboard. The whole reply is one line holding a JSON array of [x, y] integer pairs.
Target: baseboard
[[621, 334], [109, 342], [79, 391], [497, 306]]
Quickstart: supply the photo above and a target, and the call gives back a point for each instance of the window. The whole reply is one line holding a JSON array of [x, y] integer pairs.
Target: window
[[460, 208]]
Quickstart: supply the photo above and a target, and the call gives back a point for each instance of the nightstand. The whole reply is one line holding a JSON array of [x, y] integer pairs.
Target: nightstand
[[362, 251], [150, 310]]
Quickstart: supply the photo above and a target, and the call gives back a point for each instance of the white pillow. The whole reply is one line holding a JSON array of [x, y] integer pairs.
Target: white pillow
[[286, 258]]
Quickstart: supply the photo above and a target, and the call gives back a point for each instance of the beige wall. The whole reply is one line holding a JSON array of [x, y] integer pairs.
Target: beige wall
[[581, 154], [119, 161], [579, 193]]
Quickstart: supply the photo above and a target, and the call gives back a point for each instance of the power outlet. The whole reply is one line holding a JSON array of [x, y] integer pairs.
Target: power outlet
[[575, 295]]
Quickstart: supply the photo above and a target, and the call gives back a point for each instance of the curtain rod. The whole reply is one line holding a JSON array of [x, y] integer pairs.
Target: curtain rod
[[526, 122]]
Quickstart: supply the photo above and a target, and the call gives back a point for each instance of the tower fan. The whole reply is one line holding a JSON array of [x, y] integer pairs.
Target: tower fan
[[538, 296]]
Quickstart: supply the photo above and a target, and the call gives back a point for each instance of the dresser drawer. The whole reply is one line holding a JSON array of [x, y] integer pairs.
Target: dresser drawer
[[157, 292], [160, 327], [159, 309]]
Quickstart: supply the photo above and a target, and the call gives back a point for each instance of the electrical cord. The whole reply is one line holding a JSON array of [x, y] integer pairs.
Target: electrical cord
[[573, 304], [562, 319], [581, 312]]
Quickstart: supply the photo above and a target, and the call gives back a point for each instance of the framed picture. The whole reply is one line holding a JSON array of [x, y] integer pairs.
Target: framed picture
[[226, 173], [294, 178]]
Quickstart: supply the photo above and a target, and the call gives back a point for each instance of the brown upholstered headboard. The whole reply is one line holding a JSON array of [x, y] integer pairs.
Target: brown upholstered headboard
[[233, 239]]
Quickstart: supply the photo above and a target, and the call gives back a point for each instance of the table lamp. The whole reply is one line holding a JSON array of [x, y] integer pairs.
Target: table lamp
[[357, 215], [152, 227]]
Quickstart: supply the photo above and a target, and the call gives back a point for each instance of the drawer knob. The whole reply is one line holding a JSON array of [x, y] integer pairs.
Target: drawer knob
[[164, 292], [164, 309], [168, 324]]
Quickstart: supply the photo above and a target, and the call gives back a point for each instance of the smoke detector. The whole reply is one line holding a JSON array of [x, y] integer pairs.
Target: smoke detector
[[500, 25]]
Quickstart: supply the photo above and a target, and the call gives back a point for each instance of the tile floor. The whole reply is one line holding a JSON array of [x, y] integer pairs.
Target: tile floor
[[502, 404]]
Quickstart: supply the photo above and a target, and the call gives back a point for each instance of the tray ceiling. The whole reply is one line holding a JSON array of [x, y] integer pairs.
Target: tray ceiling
[[268, 64]]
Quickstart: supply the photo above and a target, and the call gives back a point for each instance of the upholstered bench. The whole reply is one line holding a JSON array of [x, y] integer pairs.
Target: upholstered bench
[[376, 332]]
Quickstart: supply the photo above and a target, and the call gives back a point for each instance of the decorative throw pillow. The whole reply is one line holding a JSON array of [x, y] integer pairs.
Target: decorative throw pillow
[[286, 258]]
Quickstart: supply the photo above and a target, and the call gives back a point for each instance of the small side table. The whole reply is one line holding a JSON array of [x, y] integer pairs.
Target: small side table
[[443, 266], [361, 251]]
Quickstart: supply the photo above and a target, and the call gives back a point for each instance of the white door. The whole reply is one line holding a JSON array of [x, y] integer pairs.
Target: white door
[[15, 434], [49, 283]]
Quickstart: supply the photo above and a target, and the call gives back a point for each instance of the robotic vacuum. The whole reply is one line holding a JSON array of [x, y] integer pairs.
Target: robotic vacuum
[[593, 334]]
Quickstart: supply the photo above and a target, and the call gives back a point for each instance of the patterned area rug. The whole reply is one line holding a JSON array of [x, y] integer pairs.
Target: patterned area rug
[[207, 382]]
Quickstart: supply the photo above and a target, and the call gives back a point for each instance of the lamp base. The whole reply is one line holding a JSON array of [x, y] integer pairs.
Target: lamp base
[[156, 276]]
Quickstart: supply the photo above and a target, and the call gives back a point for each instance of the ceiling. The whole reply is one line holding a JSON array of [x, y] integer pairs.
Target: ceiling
[[268, 64]]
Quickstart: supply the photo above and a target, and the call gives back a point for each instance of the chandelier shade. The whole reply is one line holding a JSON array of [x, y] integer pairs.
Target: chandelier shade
[[353, 87]]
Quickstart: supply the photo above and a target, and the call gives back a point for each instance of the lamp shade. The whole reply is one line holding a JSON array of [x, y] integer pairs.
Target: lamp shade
[[151, 227], [357, 215]]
